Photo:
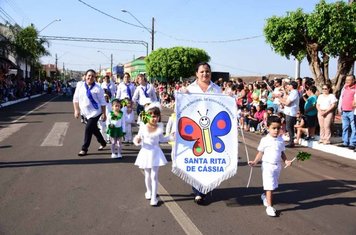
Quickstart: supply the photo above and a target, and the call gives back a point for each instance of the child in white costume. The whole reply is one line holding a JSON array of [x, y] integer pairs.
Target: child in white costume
[[116, 128], [171, 129], [151, 157], [129, 120], [271, 151], [102, 124]]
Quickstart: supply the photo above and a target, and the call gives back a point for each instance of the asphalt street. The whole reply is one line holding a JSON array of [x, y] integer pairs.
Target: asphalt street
[[45, 188]]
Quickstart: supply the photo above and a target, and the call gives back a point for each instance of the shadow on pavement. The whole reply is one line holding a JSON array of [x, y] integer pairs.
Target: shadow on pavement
[[300, 196]]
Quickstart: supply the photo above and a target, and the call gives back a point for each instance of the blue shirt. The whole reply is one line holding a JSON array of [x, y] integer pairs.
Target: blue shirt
[[311, 101]]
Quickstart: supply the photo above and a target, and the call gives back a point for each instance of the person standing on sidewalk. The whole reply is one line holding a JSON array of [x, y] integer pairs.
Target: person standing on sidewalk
[[345, 107], [310, 111], [291, 106], [89, 99], [326, 105]]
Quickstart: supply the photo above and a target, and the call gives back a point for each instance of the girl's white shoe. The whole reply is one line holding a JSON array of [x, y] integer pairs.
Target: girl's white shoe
[[148, 195], [114, 155], [154, 202]]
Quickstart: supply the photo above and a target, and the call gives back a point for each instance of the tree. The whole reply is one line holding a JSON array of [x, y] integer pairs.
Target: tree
[[174, 63], [28, 45], [328, 31]]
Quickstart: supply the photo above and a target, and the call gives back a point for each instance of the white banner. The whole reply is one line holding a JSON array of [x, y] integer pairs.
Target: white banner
[[206, 139]]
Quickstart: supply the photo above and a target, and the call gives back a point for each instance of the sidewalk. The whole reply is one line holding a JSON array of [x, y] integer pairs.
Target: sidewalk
[[330, 148], [18, 100]]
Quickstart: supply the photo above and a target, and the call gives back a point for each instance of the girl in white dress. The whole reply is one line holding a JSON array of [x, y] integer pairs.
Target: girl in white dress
[[151, 157]]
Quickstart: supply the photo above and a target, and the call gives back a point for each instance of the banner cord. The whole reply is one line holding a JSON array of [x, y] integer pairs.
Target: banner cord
[[247, 156]]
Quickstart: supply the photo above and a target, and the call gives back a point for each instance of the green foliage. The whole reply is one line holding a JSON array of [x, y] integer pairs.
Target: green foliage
[[287, 34], [333, 26], [302, 156], [173, 63], [28, 45]]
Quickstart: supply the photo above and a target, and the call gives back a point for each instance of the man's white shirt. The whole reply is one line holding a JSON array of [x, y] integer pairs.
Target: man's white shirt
[[86, 107]]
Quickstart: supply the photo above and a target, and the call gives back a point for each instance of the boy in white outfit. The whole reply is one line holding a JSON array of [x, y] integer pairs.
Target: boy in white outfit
[[271, 151]]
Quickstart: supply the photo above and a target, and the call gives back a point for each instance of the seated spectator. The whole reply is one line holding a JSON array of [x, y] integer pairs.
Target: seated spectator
[[263, 125], [300, 128], [255, 119], [248, 117]]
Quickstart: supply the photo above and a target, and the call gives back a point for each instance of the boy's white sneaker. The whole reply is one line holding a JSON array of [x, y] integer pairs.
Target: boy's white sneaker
[[271, 211], [264, 199], [119, 155]]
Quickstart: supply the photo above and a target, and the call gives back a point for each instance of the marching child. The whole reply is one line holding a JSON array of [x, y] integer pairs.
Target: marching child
[[116, 128], [129, 120], [271, 151], [170, 130], [151, 157], [102, 124]]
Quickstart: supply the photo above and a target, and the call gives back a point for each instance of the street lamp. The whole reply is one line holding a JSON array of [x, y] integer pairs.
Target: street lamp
[[111, 60], [49, 24], [151, 31]]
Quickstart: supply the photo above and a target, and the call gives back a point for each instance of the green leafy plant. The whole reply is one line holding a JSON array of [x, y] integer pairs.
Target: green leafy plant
[[124, 102], [145, 117], [302, 156]]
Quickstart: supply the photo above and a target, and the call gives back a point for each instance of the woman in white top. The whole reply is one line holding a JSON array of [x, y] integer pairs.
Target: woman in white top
[[202, 84], [326, 105]]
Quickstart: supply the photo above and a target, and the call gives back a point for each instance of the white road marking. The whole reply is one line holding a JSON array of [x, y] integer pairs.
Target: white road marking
[[11, 129], [56, 136], [14, 121], [182, 218]]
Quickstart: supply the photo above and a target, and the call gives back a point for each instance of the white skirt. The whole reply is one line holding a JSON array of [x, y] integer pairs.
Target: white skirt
[[150, 156]]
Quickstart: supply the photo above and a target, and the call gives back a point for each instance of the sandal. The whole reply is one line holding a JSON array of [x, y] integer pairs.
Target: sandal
[[82, 153]]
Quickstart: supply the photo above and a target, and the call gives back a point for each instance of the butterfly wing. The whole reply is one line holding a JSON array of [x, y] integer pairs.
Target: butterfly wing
[[189, 130], [220, 126]]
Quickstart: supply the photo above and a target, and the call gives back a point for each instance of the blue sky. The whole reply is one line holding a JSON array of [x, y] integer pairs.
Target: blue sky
[[177, 23]]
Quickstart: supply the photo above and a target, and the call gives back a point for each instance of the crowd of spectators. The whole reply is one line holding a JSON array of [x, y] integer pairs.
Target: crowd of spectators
[[12, 88], [315, 114]]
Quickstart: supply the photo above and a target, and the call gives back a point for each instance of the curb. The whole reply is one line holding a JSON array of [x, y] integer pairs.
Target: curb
[[18, 101], [330, 148]]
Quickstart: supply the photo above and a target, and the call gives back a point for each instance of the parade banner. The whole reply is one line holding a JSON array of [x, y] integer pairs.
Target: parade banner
[[206, 139]]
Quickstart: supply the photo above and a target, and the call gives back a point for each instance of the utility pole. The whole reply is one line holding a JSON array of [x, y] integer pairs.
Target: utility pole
[[111, 57], [56, 66], [153, 34]]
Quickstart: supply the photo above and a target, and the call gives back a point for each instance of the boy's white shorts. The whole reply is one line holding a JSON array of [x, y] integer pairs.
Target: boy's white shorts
[[270, 175]]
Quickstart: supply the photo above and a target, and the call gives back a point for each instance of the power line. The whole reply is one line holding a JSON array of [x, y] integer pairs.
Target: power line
[[177, 39], [113, 17], [17, 9], [211, 41], [7, 16]]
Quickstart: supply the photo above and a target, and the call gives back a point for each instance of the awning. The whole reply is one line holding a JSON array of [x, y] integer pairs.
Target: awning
[[7, 64]]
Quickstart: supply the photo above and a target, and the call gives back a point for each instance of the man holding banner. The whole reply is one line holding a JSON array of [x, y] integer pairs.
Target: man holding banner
[[206, 137]]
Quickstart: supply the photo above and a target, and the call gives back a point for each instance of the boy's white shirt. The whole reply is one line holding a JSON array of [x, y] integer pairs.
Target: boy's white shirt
[[272, 149]]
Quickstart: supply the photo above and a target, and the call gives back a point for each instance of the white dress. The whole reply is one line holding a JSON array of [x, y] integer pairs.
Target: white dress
[[151, 154]]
